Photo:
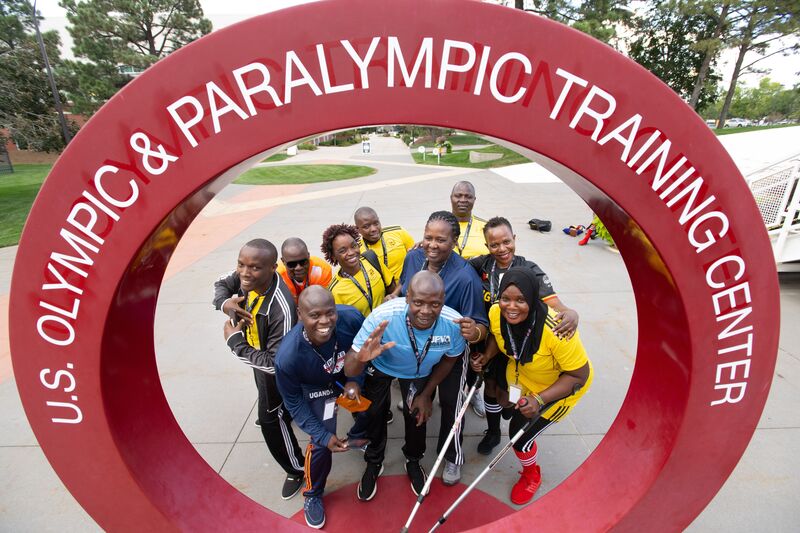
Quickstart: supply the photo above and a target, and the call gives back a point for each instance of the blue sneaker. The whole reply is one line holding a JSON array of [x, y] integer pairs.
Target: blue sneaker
[[314, 512]]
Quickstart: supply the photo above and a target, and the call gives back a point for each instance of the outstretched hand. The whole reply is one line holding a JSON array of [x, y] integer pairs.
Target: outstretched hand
[[372, 347]]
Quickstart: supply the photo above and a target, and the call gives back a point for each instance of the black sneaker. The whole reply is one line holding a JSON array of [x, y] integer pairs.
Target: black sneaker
[[417, 476], [389, 417], [488, 442], [368, 485], [291, 486]]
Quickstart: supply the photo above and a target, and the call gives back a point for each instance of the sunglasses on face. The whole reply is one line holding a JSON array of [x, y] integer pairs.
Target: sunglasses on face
[[295, 264]]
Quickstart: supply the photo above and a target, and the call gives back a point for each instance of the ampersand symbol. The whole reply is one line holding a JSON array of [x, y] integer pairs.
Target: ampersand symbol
[[141, 144]]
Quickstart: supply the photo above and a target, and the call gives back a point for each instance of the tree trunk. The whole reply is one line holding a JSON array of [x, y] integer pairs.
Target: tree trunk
[[747, 39], [710, 54]]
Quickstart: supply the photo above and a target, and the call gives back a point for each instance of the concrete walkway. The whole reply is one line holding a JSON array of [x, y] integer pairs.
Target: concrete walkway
[[214, 402]]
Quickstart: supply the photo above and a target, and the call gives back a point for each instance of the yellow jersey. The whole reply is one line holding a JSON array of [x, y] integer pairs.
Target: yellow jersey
[[356, 291], [471, 242], [254, 301], [553, 357], [391, 248]]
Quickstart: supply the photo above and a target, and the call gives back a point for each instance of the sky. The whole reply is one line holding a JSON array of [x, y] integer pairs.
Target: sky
[[785, 70]]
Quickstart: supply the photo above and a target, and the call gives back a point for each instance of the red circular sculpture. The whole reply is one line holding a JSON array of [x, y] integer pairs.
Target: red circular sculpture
[[99, 236]]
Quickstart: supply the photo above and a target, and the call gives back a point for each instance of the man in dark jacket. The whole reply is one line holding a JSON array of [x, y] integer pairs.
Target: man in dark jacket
[[262, 311], [310, 372]]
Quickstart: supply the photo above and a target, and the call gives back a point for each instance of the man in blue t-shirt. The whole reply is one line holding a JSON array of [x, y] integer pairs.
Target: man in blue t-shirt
[[420, 342], [464, 294], [309, 367]]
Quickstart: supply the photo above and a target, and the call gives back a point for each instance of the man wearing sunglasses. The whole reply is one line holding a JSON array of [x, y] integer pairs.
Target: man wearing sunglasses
[[299, 269]]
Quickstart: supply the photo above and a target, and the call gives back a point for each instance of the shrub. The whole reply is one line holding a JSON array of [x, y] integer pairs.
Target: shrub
[[601, 230]]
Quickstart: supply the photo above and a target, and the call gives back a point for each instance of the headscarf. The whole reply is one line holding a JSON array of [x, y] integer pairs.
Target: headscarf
[[527, 282]]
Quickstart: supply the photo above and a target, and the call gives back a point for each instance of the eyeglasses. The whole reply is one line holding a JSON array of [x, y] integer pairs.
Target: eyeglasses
[[295, 264]]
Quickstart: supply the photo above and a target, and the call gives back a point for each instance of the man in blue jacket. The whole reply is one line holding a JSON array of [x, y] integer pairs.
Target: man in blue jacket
[[309, 367]]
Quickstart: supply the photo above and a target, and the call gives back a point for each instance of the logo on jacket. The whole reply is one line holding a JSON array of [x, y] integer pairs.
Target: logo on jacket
[[335, 364]]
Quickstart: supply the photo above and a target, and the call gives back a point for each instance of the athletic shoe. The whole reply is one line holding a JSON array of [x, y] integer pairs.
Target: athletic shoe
[[417, 476], [257, 423], [314, 512], [477, 405], [451, 473], [523, 490], [488, 442], [389, 417], [291, 486], [400, 405], [368, 485]]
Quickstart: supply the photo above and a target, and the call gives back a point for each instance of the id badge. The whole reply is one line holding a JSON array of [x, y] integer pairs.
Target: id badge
[[330, 409], [514, 393], [412, 391]]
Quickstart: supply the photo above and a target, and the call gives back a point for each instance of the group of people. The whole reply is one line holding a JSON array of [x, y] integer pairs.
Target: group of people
[[433, 315]]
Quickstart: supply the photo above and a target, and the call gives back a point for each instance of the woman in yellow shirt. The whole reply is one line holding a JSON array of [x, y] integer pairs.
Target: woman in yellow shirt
[[357, 282], [542, 368]]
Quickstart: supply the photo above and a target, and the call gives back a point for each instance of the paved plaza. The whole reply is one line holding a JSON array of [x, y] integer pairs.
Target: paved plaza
[[213, 395]]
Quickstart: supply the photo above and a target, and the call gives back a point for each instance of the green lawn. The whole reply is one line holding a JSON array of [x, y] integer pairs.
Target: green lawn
[[460, 158], [728, 131], [286, 174], [467, 139], [274, 158], [17, 192], [456, 140]]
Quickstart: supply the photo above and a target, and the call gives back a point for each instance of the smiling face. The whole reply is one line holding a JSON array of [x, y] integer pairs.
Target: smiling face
[[425, 302], [501, 244], [438, 242], [462, 200], [513, 305], [369, 226], [346, 252], [317, 311], [255, 268], [425, 299]]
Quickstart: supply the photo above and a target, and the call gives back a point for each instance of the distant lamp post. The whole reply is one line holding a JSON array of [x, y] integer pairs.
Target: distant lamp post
[[56, 98]]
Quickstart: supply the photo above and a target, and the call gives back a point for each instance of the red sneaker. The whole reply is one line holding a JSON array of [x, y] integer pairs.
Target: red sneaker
[[523, 490]]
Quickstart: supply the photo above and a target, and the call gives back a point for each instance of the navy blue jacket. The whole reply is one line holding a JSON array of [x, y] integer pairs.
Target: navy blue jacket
[[301, 374]]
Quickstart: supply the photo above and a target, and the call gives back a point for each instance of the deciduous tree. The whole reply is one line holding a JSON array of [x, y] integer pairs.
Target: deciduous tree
[[667, 43], [762, 22]]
